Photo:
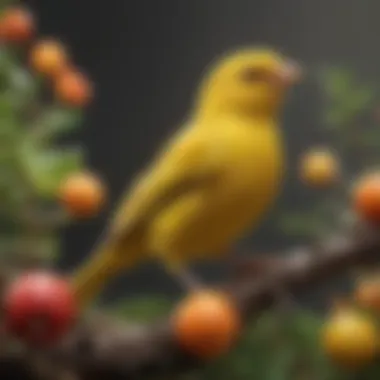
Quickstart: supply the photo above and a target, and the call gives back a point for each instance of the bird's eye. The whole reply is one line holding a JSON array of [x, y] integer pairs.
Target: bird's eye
[[251, 75]]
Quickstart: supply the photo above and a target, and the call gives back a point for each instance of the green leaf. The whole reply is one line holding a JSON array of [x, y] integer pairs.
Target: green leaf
[[4, 4], [300, 225], [6, 110], [46, 169], [54, 122], [305, 332], [143, 309], [8, 244], [362, 98], [7, 61], [47, 249], [10, 128], [261, 349], [346, 97], [22, 81], [305, 329], [343, 114], [284, 364], [368, 138], [22, 89], [336, 82], [335, 117]]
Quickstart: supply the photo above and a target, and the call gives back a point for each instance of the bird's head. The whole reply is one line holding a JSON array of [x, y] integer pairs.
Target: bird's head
[[252, 81]]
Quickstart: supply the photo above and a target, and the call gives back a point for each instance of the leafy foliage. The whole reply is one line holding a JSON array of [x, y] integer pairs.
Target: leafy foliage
[[346, 97], [276, 346], [144, 309], [351, 125], [33, 161], [282, 347]]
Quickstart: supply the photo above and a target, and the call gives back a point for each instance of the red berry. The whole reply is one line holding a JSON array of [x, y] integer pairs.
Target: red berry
[[39, 308], [17, 25]]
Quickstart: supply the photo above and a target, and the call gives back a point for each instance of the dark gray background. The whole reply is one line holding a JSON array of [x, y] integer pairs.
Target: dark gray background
[[146, 57]]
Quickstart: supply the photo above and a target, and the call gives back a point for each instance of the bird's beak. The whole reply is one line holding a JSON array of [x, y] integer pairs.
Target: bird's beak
[[290, 73]]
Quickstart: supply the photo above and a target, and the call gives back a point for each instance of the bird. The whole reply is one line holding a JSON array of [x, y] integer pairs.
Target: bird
[[210, 183]]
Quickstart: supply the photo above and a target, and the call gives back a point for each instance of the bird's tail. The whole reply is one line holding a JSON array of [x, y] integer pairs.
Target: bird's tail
[[107, 262]]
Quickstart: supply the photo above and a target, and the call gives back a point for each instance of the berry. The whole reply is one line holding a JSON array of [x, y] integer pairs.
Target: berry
[[366, 197], [17, 25], [48, 57], [319, 168], [82, 194], [206, 324], [350, 339], [73, 88], [39, 308]]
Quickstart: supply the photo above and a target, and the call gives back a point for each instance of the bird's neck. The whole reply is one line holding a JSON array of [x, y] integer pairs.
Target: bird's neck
[[212, 110], [210, 106]]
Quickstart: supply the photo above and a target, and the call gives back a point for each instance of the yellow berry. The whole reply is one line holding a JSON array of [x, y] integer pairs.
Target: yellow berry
[[319, 168], [48, 57], [350, 339]]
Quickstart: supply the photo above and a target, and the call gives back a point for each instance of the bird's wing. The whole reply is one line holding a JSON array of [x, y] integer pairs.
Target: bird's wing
[[188, 162]]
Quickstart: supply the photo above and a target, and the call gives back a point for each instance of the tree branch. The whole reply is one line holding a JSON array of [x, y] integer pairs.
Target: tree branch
[[106, 351]]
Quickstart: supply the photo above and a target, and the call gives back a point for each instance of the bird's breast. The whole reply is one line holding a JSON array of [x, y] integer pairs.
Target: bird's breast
[[252, 181], [211, 218]]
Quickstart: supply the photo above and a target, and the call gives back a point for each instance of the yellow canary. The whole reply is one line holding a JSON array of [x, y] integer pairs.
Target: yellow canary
[[211, 182]]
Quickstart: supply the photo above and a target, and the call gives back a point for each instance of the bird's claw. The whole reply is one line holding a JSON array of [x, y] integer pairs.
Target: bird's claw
[[186, 279]]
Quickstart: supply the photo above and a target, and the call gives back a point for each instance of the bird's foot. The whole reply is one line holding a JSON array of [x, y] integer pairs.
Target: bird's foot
[[185, 278], [189, 281]]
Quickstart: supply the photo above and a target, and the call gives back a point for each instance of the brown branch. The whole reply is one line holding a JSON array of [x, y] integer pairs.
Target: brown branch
[[143, 351]]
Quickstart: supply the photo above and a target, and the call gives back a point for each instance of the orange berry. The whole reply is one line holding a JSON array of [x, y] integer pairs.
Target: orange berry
[[73, 88], [366, 197], [82, 194], [367, 295], [350, 339], [319, 168], [17, 25], [48, 57], [206, 324]]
